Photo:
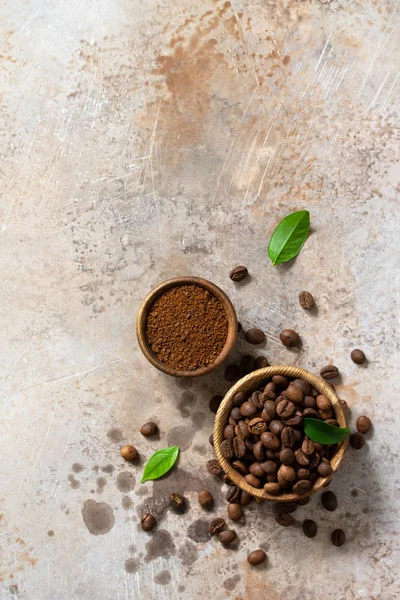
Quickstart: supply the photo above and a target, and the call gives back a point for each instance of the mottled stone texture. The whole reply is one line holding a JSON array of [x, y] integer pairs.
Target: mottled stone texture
[[142, 140]]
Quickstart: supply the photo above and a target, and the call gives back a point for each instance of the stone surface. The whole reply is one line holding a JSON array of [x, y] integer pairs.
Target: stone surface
[[144, 140]]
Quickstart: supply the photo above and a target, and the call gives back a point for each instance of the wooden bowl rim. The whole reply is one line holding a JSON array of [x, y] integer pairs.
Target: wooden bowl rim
[[176, 282], [250, 382]]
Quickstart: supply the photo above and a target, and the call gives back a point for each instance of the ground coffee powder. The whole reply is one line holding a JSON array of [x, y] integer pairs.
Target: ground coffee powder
[[187, 327]]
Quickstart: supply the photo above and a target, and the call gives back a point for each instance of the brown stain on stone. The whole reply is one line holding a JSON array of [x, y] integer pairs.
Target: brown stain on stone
[[125, 481], [77, 468], [230, 583], [160, 545], [115, 435], [74, 483], [50, 533], [101, 483], [109, 469], [126, 503], [257, 585], [98, 517], [285, 60], [180, 436], [187, 399], [163, 578], [198, 531], [198, 419], [132, 565], [181, 588], [188, 553], [347, 391]]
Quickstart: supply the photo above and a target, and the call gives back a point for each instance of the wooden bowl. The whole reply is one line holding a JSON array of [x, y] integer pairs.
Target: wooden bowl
[[176, 282], [250, 383]]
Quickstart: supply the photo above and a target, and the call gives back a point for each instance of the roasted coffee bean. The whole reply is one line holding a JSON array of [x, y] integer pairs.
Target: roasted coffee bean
[[129, 453], [311, 413], [329, 501], [257, 426], [232, 373], [272, 487], [290, 338], [247, 365], [295, 420], [283, 518], [298, 436], [301, 458], [211, 440], [238, 273], [280, 381], [261, 362], [308, 446], [287, 473], [309, 528], [227, 449], [239, 398], [256, 469], [286, 456], [294, 394], [285, 507], [177, 502], [214, 403], [270, 440], [216, 526], [149, 429], [324, 468], [250, 443], [242, 430], [148, 522], [235, 512], [323, 402], [318, 447], [270, 390], [314, 461], [271, 477], [285, 408], [306, 300], [288, 437], [269, 466], [338, 537], [233, 494], [227, 537], [214, 468], [258, 451], [239, 447], [205, 499], [313, 477], [332, 422], [303, 473], [229, 432], [236, 414], [302, 487], [363, 424], [358, 356], [326, 414], [231, 421], [309, 402], [329, 372], [248, 409], [253, 480], [357, 440], [303, 501], [303, 385], [240, 466], [257, 557], [256, 399], [245, 498], [276, 427], [255, 336]]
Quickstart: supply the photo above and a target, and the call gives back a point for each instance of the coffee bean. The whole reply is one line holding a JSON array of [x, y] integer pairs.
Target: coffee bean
[[272, 487], [295, 420], [363, 424], [242, 430], [326, 414], [308, 446], [255, 336], [211, 440], [214, 468], [338, 537], [130, 453], [303, 385], [227, 537], [233, 494], [261, 362], [329, 501], [229, 432], [285, 507], [290, 338], [148, 522], [248, 409], [257, 557], [298, 436], [332, 422], [280, 381], [302, 487], [232, 373], [238, 273], [323, 402], [253, 480], [239, 398], [245, 498], [205, 499], [283, 518], [247, 365], [250, 443], [309, 402], [286, 456], [239, 447], [270, 390], [311, 413], [288, 437], [276, 427], [303, 501], [358, 356], [269, 411], [257, 426], [306, 300], [256, 398], [294, 394], [282, 482], [287, 473], [303, 473], [301, 458], [236, 414], [256, 469], [269, 466], [309, 528], [235, 512], [177, 502], [148, 429], [329, 372], [357, 440], [314, 461], [285, 408], [270, 440], [214, 403], [324, 469], [258, 451], [216, 526], [240, 466], [313, 477], [227, 449]]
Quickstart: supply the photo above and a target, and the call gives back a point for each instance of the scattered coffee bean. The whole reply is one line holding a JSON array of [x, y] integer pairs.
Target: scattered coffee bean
[[238, 273], [280, 381], [232, 373], [255, 336], [214, 468], [235, 512], [290, 338], [338, 537], [129, 453], [329, 501], [314, 462], [148, 522], [233, 495], [357, 440], [301, 458], [311, 413], [284, 519], [248, 409], [247, 365], [211, 440], [332, 422], [363, 424], [177, 502], [214, 403], [227, 449], [227, 537], [257, 557], [148, 429], [246, 498], [272, 487], [306, 300], [261, 362], [329, 372], [276, 427], [205, 499], [309, 528], [216, 526], [288, 437], [358, 356]]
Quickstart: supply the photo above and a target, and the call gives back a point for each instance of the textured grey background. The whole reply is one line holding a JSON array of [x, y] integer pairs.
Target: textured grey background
[[142, 140]]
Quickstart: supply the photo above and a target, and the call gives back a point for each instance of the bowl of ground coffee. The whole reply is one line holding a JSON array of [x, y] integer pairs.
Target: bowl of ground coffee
[[186, 327], [259, 439]]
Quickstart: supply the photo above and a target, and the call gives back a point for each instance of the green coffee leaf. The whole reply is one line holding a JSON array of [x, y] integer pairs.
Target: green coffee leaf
[[289, 237], [323, 433], [160, 463]]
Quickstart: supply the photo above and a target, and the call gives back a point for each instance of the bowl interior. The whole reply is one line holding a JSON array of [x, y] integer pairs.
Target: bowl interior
[[250, 383], [162, 288]]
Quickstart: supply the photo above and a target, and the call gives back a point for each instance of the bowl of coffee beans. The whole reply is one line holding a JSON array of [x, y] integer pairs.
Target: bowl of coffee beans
[[186, 327], [259, 437]]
